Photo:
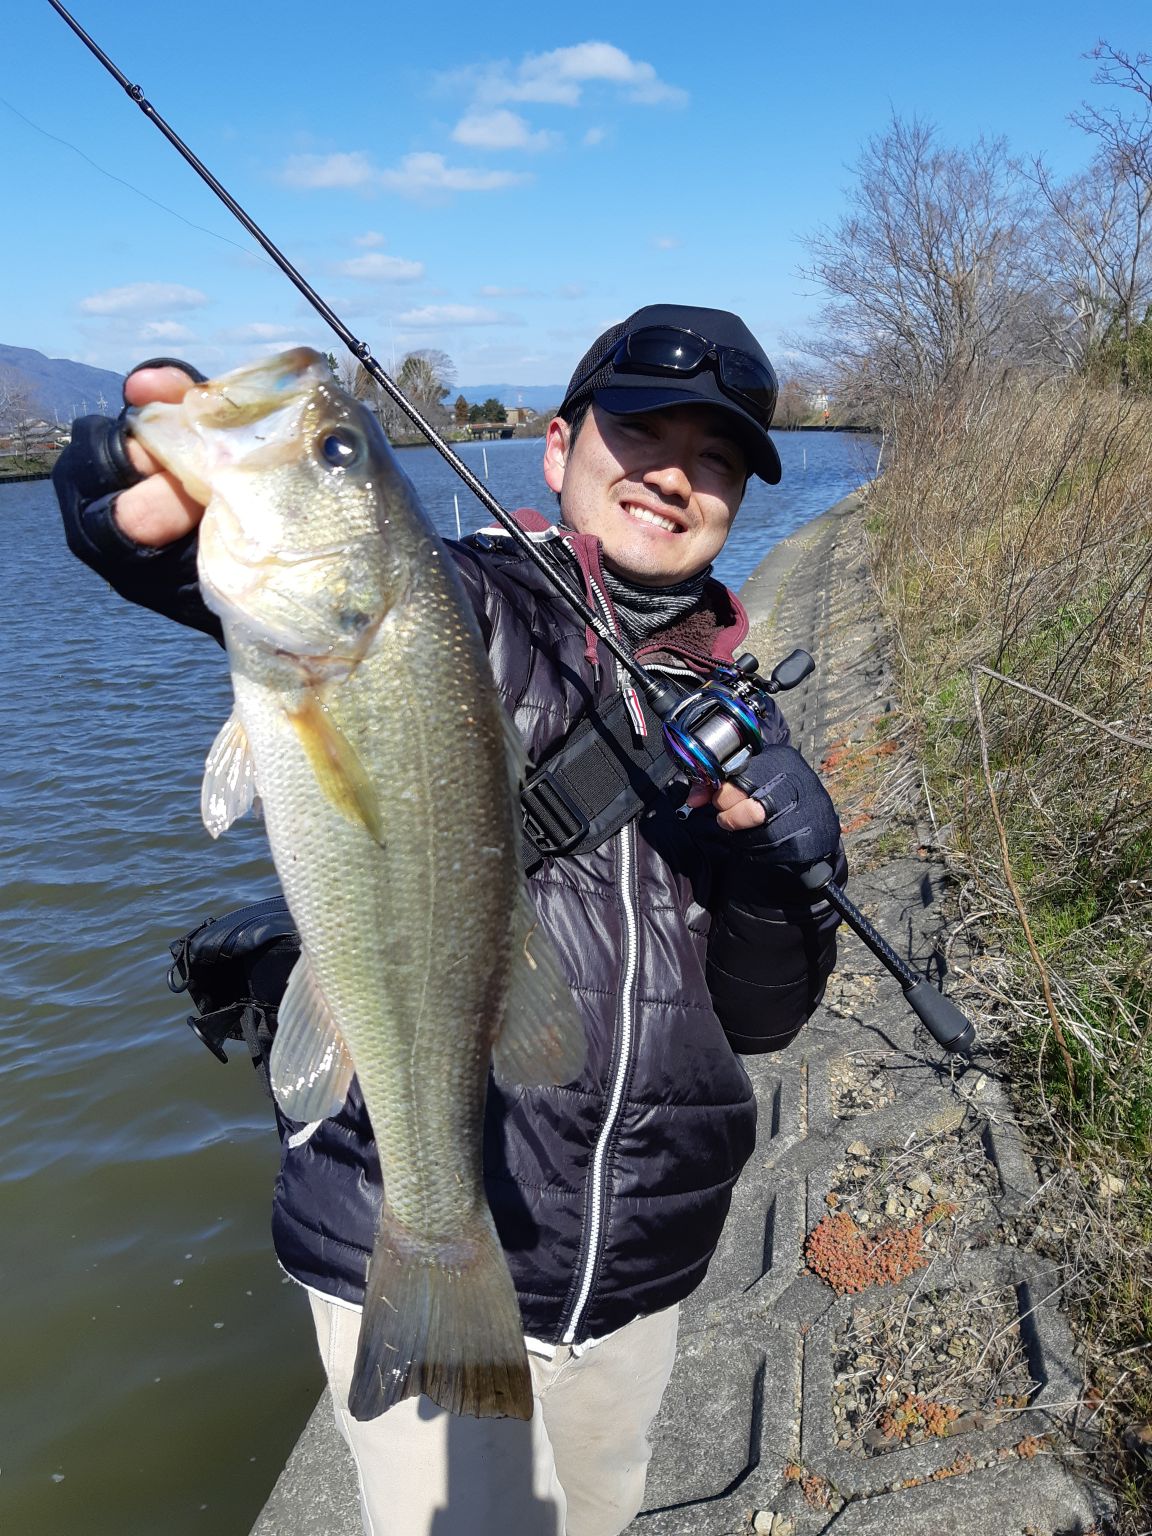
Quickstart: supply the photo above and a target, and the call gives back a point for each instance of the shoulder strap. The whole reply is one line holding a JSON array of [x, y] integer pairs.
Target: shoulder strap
[[597, 780]]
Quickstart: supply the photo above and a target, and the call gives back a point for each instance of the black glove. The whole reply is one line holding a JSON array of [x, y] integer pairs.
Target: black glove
[[88, 477], [800, 827], [96, 465]]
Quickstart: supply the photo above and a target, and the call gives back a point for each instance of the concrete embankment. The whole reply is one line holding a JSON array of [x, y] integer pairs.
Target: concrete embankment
[[806, 1398]]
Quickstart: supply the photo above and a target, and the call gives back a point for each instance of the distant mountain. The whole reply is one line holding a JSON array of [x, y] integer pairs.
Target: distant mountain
[[537, 397], [57, 387]]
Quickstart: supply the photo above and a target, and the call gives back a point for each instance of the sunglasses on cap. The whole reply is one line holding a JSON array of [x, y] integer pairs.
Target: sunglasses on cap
[[669, 352]]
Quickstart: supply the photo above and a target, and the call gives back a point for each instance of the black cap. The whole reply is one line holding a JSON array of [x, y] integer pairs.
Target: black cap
[[626, 394]]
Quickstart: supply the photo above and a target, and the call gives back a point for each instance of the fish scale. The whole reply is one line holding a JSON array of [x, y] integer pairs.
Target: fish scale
[[386, 768]]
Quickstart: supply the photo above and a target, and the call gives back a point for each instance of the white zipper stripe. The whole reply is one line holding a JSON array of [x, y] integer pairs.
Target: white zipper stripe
[[627, 837], [627, 856]]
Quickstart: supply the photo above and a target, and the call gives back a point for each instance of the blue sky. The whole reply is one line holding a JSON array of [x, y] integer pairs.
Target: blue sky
[[500, 182]]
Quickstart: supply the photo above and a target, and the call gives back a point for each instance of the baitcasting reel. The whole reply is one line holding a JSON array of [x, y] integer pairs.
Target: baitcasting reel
[[713, 732]]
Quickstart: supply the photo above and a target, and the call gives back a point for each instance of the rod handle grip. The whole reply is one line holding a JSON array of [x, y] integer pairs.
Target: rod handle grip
[[941, 1017]]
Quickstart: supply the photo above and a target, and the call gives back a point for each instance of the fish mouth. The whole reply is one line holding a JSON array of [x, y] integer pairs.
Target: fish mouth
[[248, 395], [247, 421]]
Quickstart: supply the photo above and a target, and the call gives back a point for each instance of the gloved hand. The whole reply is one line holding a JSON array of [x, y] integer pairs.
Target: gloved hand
[[124, 514], [100, 463], [800, 827]]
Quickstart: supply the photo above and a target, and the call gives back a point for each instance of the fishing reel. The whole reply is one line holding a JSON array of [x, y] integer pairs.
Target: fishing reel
[[711, 733]]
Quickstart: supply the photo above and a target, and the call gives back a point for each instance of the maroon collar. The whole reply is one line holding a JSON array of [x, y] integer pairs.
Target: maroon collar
[[708, 634]]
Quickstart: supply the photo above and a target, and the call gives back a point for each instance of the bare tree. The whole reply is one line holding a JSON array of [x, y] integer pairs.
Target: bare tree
[[16, 414], [427, 376], [794, 402], [1129, 137], [1106, 216], [1096, 250], [930, 271]]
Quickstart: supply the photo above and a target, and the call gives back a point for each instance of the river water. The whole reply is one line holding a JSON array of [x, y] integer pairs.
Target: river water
[[155, 1366]]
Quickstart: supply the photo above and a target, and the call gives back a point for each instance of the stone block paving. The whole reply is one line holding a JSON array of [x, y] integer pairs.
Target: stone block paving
[[941, 1401]]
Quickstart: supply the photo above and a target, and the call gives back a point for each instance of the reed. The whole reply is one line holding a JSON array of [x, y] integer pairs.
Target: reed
[[1011, 541]]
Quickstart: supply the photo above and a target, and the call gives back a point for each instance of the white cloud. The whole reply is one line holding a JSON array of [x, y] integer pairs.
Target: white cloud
[[593, 137], [434, 316], [424, 172], [352, 169], [377, 267], [369, 239], [135, 298], [558, 77], [571, 291], [665, 242], [494, 291], [165, 330], [500, 129], [417, 175], [260, 330]]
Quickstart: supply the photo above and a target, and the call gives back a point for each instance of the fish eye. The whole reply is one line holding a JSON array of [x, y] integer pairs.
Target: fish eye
[[342, 448]]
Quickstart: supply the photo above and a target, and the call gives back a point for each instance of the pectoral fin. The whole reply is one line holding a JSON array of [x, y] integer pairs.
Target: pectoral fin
[[310, 1068], [541, 1038], [337, 765], [229, 788]]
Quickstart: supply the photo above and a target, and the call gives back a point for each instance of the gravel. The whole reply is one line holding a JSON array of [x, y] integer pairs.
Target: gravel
[[932, 1365]]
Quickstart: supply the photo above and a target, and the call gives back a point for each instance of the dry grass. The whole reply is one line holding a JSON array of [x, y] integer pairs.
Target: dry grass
[[929, 1365], [1012, 543]]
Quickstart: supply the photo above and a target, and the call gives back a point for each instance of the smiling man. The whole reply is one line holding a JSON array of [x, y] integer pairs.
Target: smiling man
[[665, 418], [685, 941]]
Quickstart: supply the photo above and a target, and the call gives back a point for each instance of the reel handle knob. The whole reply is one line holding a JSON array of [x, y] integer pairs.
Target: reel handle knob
[[791, 671]]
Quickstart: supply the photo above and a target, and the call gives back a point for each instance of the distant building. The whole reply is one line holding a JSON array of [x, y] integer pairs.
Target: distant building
[[489, 429], [32, 436]]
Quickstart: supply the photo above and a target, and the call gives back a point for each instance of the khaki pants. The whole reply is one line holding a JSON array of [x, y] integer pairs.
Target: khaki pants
[[577, 1469]]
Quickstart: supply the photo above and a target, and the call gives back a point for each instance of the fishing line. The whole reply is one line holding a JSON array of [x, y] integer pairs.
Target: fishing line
[[660, 695], [147, 196], [718, 726]]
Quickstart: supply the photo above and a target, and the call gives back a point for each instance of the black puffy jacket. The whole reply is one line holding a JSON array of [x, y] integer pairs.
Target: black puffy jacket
[[609, 1193]]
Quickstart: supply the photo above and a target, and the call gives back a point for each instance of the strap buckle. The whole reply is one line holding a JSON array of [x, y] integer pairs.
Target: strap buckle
[[553, 822]]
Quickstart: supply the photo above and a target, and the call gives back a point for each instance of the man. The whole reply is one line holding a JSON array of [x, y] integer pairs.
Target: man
[[682, 939]]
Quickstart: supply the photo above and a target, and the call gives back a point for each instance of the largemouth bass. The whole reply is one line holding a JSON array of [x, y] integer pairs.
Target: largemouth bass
[[368, 724]]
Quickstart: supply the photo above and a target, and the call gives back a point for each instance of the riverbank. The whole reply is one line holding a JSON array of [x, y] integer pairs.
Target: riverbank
[[35, 469], [41, 469], [792, 1409], [1010, 542]]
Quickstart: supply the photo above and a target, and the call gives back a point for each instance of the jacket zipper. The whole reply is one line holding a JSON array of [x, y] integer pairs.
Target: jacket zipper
[[597, 1175]]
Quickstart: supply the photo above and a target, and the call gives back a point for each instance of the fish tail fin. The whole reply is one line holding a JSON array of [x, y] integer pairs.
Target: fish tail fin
[[442, 1319]]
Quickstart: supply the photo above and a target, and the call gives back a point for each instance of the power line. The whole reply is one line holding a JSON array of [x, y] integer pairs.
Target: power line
[[147, 196]]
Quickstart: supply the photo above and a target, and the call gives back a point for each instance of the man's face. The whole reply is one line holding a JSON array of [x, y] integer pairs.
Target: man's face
[[658, 490]]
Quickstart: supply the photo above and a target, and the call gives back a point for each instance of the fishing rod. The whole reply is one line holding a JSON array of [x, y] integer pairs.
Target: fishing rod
[[711, 732]]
